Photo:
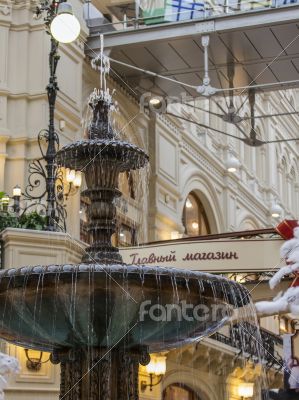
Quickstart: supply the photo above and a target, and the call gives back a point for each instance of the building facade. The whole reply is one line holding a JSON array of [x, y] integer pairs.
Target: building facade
[[187, 191]]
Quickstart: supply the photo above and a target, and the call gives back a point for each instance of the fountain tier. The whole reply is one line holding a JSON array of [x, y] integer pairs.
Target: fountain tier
[[79, 306], [102, 158]]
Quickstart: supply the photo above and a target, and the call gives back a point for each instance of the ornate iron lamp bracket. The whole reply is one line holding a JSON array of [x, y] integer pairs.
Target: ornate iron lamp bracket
[[48, 170]]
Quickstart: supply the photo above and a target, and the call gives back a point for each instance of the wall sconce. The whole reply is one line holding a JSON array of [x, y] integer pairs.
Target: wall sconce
[[156, 368], [276, 210], [245, 390], [34, 360], [232, 164], [74, 179], [5, 202]]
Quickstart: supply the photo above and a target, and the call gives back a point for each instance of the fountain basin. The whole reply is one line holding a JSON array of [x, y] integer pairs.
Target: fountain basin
[[71, 306], [125, 156]]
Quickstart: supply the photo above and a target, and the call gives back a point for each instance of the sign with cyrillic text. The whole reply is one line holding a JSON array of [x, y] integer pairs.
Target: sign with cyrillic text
[[210, 256]]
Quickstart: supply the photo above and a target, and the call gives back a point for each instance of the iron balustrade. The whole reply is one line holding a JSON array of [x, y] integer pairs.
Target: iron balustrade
[[245, 338]]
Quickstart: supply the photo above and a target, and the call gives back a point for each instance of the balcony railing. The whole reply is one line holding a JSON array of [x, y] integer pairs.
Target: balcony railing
[[152, 13], [243, 337]]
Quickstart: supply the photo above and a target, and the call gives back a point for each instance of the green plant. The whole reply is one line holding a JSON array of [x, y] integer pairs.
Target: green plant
[[8, 220], [31, 220]]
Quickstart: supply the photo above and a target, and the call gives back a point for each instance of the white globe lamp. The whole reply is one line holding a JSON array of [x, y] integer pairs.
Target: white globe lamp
[[65, 27]]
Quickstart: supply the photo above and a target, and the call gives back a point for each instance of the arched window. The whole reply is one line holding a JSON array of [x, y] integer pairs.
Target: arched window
[[194, 217], [126, 235], [178, 391], [126, 184]]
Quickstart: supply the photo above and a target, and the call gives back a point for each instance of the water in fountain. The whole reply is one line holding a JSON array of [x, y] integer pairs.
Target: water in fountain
[[90, 316]]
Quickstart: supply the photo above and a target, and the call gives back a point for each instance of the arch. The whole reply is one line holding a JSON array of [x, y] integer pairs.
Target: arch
[[208, 197], [185, 390], [247, 223], [195, 219], [199, 385], [126, 184]]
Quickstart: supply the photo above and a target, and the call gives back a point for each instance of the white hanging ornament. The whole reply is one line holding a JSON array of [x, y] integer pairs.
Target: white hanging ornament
[[8, 365], [287, 301]]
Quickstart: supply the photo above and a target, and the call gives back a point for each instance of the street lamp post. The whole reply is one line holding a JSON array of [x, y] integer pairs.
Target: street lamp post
[[63, 27], [52, 140]]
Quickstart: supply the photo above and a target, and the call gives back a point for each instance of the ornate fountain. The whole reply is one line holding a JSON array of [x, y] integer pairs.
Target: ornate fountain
[[92, 316]]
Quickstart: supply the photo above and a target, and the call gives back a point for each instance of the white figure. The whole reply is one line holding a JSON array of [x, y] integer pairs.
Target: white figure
[[290, 252], [8, 365], [289, 300]]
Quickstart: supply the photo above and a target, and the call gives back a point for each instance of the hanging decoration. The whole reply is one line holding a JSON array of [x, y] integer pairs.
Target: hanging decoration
[[8, 365], [288, 301]]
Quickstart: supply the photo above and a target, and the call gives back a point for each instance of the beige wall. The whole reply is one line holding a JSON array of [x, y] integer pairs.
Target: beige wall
[[182, 159], [23, 101]]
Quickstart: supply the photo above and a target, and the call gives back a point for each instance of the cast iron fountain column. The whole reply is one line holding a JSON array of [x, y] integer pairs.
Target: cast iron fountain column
[[101, 375], [102, 183], [101, 175]]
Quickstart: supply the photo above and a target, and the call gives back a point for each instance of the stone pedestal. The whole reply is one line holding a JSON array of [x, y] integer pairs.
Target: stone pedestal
[[22, 247]]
